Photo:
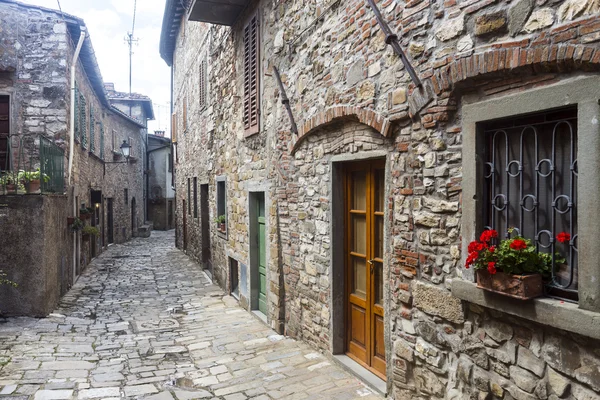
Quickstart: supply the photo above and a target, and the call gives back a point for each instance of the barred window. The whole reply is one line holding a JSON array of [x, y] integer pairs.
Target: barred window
[[203, 84], [530, 173]]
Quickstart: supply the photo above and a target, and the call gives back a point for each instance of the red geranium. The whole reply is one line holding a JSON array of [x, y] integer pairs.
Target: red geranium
[[471, 259], [518, 244], [563, 237], [492, 267], [475, 246], [487, 235], [492, 249]]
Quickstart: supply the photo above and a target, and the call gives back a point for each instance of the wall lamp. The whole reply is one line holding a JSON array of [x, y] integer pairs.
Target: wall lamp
[[125, 152]]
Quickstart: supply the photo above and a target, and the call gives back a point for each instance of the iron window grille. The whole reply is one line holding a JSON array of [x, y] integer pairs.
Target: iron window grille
[[530, 184]]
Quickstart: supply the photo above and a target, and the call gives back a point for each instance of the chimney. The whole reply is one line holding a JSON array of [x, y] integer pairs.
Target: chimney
[[109, 87], [159, 133]]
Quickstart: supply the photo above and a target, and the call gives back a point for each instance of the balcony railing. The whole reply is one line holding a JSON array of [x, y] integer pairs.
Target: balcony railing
[[39, 168]]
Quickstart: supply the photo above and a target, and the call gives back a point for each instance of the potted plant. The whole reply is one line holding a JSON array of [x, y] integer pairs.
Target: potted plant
[[220, 220], [8, 183], [32, 180], [513, 267], [84, 212], [75, 224], [88, 231]]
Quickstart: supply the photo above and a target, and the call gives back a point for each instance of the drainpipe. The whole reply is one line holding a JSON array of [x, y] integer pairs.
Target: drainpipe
[[72, 143]]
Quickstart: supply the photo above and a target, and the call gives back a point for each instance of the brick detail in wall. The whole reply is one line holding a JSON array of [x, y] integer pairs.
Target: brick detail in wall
[[365, 116]]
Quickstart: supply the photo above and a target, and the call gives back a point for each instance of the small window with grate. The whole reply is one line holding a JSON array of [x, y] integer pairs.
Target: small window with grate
[[251, 77], [530, 184]]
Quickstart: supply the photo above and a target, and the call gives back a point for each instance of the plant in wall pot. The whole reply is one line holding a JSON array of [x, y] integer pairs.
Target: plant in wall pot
[[32, 180], [220, 220], [513, 267], [75, 224], [10, 183], [88, 231]]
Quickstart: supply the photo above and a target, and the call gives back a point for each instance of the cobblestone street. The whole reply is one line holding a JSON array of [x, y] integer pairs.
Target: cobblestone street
[[144, 322]]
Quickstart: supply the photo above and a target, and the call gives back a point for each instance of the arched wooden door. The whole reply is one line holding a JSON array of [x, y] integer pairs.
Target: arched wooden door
[[133, 216]]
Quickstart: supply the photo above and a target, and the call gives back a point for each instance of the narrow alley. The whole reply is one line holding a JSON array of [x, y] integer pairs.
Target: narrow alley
[[143, 321]]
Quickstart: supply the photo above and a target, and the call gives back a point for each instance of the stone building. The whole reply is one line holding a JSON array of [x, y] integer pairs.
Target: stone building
[[161, 203], [352, 233], [64, 124]]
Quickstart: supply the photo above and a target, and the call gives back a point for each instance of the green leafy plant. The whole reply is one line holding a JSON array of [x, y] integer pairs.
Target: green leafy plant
[[28, 176], [77, 225], [515, 255], [220, 219], [4, 281], [90, 230]]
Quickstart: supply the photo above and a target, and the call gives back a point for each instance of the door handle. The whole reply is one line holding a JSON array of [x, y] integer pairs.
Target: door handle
[[372, 265]]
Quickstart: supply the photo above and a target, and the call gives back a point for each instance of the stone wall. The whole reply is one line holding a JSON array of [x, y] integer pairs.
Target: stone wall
[[35, 236], [350, 95]]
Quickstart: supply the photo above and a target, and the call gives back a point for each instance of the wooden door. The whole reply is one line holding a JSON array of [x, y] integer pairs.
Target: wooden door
[[4, 132], [365, 184], [205, 229], [109, 221], [262, 256], [184, 225]]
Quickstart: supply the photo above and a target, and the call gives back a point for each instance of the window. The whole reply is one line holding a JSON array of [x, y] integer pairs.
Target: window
[[77, 114], [101, 141], [4, 133], [530, 184], [195, 197], [130, 142], [221, 200], [170, 163], [184, 113], [203, 82], [189, 200], [174, 127], [126, 196], [114, 143], [233, 273], [92, 130], [82, 121], [251, 77]]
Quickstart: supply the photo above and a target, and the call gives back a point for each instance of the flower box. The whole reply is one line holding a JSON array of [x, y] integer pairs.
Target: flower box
[[523, 287]]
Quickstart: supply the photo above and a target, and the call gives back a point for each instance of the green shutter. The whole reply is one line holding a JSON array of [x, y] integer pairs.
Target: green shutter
[[92, 133], [77, 105], [82, 115], [101, 141]]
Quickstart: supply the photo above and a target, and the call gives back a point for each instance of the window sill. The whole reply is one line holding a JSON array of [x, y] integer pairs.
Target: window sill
[[222, 234], [546, 311]]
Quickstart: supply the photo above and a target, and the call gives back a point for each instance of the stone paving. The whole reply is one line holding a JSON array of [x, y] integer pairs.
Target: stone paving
[[143, 322]]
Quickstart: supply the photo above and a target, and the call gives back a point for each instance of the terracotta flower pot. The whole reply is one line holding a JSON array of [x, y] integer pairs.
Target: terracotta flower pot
[[11, 188], [222, 226], [522, 287], [32, 186], [70, 220]]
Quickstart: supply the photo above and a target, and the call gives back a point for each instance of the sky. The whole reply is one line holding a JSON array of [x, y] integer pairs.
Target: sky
[[108, 22]]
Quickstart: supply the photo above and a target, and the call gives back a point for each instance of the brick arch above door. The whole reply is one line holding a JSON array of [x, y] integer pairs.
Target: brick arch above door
[[365, 116], [554, 58]]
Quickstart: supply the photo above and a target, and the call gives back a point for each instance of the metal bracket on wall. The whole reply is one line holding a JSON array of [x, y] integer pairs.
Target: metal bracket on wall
[[285, 101], [392, 40]]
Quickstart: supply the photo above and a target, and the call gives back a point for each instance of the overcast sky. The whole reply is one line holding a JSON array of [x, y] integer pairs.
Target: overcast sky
[[108, 22]]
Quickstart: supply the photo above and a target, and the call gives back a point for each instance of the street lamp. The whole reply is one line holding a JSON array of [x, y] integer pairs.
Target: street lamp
[[125, 152]]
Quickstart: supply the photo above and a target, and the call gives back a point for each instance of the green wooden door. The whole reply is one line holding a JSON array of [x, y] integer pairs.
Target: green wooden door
[[262, 269]]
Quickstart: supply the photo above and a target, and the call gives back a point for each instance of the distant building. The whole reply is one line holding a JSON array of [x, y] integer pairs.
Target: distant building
[[160, 177], [65, 125]]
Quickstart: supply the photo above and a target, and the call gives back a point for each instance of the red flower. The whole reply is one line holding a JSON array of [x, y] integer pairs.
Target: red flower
[[492, 249], [563, 237], [492, 268], [488, 234], [471, 259], [518, 244], [476, 247]]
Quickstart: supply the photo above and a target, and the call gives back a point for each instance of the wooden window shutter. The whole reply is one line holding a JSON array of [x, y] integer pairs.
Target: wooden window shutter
[[174, 128], [203, 82], [251, 77], [184, 112]]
